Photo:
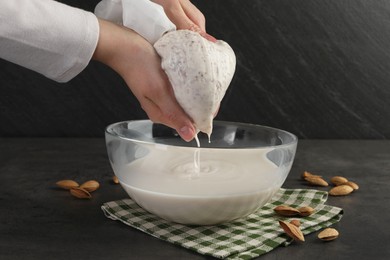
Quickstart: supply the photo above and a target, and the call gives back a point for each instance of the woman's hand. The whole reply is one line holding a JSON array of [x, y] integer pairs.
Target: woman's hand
[[139, 65], [185, 15]]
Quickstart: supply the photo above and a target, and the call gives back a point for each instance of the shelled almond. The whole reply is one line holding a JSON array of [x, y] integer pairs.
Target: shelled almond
[[352, 184], [316, 181], [309, 174], [341, 190], [338, 180]]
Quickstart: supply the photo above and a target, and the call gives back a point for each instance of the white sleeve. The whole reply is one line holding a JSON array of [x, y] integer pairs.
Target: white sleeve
[[145, 17], [48, 37]]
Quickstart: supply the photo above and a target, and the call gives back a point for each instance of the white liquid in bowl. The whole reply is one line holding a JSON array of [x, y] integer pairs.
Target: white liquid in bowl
[[227, 184]]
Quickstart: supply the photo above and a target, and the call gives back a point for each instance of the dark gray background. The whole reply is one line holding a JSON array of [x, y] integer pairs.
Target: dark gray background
[[317, 68]]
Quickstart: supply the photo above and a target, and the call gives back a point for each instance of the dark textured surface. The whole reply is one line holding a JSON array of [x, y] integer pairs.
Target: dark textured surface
[[39, 221], [319, 69]]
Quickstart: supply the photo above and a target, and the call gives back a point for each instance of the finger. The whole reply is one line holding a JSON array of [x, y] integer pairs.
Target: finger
[[186, 17], [208, 37], [198, 19], [176, 117], [194, 14], [177, 15], [172, 115]]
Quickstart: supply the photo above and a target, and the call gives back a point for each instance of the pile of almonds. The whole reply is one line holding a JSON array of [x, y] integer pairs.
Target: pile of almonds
[[82, 191], [292, 228], [342, 185]]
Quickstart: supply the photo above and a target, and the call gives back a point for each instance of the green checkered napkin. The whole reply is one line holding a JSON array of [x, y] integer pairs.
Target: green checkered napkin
[[245, 238]]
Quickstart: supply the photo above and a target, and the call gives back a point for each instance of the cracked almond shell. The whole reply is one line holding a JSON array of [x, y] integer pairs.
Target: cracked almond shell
[[292, 231], [80, 193], [328, 234]]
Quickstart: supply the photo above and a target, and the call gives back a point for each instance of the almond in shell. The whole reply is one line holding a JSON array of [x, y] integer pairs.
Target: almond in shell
[[67, 184], [305, 211], [292, 231], [90, 186], [328, 234], [295, 222], [286, 211], [341, 190], [80, 193], [115, 179]]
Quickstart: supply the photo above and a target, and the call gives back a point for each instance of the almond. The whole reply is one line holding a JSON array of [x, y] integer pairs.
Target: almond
[[316, 180], [67, 184], [115, 179], [352, 184], [292, 231], [295, 222], [328, 234], [338, 180], [80, 193], [305, 211], [90, 186], [341, 190], [286, 211], [308, 174]]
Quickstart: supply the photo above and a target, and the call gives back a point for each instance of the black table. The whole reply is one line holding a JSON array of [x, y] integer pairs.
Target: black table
[[40, 221]]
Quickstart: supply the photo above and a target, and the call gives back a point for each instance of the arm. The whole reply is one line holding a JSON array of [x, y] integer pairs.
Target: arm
[[137, 62], [58, 41], [48, 37]]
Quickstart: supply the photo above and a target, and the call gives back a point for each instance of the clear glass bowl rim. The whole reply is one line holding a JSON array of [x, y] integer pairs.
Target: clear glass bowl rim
[[294, 138]]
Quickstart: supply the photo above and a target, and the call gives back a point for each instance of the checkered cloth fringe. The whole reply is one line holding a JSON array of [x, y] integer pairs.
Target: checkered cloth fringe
[[245, 238]]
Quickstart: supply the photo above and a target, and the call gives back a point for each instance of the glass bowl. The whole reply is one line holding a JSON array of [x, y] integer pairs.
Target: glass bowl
[[228, 178]]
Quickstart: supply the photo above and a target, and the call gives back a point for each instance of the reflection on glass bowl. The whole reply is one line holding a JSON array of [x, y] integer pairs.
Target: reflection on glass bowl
[[228, 178]]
